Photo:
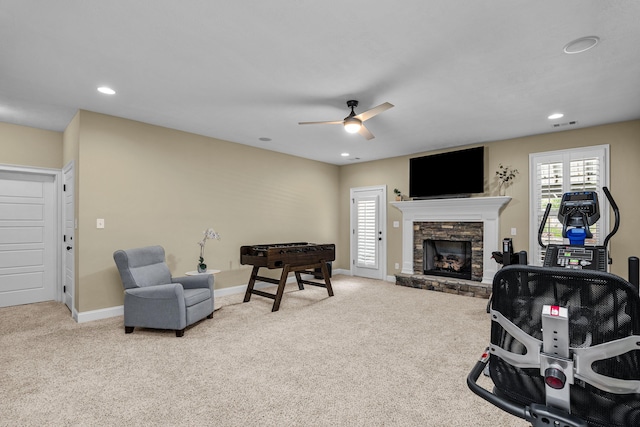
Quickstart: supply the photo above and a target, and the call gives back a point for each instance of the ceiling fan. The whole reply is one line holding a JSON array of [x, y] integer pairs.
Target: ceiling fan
[[354, 123]]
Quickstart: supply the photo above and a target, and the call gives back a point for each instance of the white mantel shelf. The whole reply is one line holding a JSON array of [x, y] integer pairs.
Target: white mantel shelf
[[472, 209]]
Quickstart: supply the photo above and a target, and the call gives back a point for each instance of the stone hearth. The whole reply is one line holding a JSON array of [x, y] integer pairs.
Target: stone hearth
[[468, 288]]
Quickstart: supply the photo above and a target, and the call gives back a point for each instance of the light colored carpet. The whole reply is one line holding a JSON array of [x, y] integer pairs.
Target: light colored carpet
[[375, 354]]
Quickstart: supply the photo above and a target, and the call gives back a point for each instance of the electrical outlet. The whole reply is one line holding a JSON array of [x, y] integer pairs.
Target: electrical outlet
[[513, 231], [397, 266]]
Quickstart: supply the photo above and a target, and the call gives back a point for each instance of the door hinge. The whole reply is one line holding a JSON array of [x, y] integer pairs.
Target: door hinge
[[64, 289], [64, 238], [64, 187]]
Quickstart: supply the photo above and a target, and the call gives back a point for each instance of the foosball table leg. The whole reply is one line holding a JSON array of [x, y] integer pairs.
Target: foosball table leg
[[299, 280], [281, 285], [252, 282], [327, 279]]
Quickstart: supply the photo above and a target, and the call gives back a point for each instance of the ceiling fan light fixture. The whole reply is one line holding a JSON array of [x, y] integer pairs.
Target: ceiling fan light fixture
[[352, 125]]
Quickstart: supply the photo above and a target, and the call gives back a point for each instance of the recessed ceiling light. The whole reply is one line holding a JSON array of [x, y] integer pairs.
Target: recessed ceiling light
[[581, 45], [344, 154], [555, 116], [106, 90]]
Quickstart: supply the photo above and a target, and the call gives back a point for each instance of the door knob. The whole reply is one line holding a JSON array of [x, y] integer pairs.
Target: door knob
[[69, 248]]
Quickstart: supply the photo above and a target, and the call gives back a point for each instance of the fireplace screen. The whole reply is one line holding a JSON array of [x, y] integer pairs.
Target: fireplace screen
[[449, 258]]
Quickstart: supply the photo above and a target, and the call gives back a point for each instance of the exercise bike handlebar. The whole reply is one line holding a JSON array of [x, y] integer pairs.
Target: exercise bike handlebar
[[513, 408]]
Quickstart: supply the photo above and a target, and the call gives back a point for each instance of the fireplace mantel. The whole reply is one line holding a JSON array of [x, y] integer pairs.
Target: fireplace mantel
[[472, 209]]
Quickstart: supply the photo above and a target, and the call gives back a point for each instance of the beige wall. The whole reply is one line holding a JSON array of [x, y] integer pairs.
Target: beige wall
[[25, 146], [624, 141], [154, 185]]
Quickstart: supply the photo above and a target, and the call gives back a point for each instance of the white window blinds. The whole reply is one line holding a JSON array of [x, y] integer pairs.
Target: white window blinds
[[367, 255]]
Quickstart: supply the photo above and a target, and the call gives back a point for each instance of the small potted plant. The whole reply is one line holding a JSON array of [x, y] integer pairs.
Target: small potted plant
[[398, 194], [209, 233], [505, 176]]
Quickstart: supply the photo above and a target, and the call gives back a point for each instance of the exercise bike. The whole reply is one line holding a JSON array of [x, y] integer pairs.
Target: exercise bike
[[565, 337]]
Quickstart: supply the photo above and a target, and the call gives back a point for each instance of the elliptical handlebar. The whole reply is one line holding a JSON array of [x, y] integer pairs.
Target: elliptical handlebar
[[542, 224], [616, 213]]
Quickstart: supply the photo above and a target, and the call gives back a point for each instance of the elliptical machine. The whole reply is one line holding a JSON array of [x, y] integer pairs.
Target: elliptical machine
[[578, 211]]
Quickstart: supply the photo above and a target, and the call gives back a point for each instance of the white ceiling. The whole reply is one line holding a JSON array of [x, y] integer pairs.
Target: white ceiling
[[458, 71]]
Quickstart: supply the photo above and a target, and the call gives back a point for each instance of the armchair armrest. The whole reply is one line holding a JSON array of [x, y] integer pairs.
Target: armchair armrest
[[194, 282], [159, 307], [168, 291]]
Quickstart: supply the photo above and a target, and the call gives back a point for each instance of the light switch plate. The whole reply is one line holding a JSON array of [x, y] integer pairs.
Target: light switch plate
[[100, 223]]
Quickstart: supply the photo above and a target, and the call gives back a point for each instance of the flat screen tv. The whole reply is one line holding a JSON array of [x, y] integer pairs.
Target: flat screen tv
[[452, 174]]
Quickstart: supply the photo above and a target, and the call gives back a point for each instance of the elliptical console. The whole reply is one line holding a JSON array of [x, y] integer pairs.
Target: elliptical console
[[578, 210]]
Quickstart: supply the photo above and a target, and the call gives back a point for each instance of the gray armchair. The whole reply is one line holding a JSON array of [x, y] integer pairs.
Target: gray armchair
[[153, 299]]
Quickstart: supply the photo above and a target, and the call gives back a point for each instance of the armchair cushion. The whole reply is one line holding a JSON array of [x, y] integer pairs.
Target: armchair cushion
[[142, 267]]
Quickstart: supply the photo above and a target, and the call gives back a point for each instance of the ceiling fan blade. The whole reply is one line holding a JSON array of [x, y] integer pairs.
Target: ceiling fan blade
[[338, 122], [365, 132], [374, 111]]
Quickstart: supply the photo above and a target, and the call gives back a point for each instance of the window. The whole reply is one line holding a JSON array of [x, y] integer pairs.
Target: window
[[367, 232], [554, 173]]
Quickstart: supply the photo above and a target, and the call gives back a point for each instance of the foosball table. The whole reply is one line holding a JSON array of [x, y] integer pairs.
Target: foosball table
[[299, 258]]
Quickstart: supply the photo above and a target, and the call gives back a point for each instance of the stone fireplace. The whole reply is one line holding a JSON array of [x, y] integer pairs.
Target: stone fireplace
[[474, 219], [448, 249]]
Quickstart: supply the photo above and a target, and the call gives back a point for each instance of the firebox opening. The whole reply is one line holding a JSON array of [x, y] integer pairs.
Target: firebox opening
[[450, 258]]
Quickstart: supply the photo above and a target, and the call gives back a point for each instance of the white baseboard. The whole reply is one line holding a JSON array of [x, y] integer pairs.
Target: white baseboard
[[391, 279], [104, 313]]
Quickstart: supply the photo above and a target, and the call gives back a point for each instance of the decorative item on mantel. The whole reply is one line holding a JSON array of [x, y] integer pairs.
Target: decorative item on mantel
[[209, 233], [398, 194], [505, 176]]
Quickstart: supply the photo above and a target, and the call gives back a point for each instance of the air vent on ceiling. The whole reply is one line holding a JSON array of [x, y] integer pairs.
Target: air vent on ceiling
[[559, 125]]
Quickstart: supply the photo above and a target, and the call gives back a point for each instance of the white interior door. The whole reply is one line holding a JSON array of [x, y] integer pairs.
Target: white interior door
[[368, 234], [28, 260], [68, 239]]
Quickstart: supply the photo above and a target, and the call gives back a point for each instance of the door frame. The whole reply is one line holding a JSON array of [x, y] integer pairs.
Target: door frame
[[56, 174], [68, 168], [382, 216]]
